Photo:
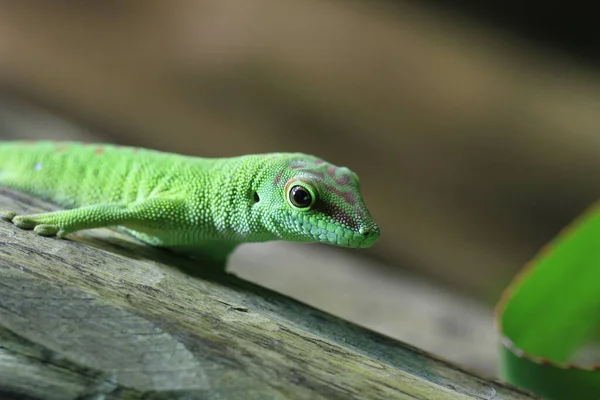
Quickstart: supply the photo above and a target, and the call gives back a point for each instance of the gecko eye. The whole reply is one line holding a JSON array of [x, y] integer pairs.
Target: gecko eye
[[300, 197]]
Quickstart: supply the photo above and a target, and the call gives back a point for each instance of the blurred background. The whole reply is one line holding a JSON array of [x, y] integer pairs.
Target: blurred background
[[473, 127]]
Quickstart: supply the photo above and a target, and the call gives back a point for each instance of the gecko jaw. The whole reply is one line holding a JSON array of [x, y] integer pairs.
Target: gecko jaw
[[331, 233]]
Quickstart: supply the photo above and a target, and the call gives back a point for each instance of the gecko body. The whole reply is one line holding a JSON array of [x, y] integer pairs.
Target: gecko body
[[206, 205]]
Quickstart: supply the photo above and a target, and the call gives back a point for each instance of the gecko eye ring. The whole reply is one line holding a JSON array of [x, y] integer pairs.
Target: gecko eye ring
[[301, 196]]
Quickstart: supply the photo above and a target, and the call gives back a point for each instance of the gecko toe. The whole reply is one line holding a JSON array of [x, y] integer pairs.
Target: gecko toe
[[47, 230], [61, 234], [23, 222]]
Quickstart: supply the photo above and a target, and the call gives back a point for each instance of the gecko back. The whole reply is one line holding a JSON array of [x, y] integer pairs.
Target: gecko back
[[73, 174]]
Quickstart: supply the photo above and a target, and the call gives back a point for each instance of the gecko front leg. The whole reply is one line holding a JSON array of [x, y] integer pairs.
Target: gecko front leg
[[61, 223]]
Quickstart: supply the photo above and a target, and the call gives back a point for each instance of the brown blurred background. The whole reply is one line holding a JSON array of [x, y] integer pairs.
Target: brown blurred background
[[474, 130]]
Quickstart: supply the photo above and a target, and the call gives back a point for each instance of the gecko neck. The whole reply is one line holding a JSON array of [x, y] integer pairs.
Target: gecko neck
[[230, 203]]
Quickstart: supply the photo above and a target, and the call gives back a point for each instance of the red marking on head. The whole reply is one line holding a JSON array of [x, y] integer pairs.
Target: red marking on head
[[61, 148], [31, 142], [347, 196], [277, 178], [319, 162], [342, 180], [297, 166], [99, 150], [340, 215], [331, 171], [316, 174]]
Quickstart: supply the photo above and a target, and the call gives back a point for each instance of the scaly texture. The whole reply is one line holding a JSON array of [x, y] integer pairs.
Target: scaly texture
[[203, 205]]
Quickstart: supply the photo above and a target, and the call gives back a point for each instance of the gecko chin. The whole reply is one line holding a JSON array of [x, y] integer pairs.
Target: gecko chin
[[337, 235], [362, 238]]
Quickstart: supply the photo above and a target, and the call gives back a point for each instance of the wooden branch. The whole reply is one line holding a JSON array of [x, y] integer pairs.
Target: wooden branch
[[102, 315]]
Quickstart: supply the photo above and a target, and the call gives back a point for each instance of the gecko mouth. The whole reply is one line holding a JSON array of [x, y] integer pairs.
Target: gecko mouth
[[365, 236], [352, 239]]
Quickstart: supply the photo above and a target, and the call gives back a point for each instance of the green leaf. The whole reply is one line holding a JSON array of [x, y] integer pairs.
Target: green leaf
[[551, 312]]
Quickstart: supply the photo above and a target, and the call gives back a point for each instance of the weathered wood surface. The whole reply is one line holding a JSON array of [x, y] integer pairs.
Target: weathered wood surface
[[102, 316]]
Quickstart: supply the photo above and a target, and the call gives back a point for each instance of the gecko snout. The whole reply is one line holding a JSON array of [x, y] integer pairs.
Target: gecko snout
[[368, 231], [369, 234]]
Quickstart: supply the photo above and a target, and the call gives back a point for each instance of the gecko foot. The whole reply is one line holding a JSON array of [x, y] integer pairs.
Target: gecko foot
[[23, 222], [48, 230], [26, 222], [7, 215]]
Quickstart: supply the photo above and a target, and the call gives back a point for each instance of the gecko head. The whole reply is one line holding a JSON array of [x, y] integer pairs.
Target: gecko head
[[309, 200]]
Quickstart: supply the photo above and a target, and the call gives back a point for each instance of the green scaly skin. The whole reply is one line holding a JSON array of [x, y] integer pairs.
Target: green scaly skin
[[203, 205]]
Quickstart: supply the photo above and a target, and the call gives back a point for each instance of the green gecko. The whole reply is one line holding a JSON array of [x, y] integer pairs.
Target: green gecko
[[204, 206]]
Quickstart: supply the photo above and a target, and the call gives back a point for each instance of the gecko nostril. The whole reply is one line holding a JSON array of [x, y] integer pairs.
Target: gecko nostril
[[364, 231]]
